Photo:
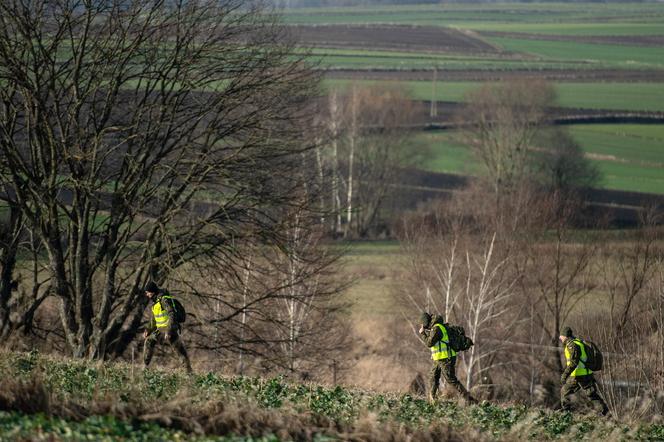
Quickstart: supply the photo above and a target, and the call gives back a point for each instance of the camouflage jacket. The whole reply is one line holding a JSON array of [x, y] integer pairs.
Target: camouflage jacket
[[168, 306], [575, 357], [432, 335]]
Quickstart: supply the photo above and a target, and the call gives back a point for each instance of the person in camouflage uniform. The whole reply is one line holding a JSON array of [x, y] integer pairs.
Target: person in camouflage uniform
[[434, 334], [163, 326], [576, 376]]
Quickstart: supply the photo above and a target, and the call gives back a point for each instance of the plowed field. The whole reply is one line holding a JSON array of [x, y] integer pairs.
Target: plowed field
[[395, 37]]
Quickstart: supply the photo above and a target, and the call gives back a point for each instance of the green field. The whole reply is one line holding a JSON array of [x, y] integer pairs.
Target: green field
[[330, 58], [609, 95], [473, 16], [448, 154], [630, 157], [374, 263], [627, 56]]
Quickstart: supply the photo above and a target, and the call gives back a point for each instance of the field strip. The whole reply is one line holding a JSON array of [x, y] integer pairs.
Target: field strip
[[613, 96]]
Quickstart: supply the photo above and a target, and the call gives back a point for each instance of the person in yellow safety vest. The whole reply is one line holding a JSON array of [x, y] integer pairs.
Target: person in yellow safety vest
[[434, 334], [163, 328], [576, 375]]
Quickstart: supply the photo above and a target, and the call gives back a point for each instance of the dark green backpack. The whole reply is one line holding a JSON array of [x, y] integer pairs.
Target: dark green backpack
[[180, 313], [457, 338], [595, 359]]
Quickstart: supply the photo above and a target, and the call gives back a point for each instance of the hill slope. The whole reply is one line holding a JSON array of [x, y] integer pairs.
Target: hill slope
[[44, 398]]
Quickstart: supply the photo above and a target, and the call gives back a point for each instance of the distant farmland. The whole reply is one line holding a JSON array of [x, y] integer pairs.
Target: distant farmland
[[601, 57], [631, 18], [608, 96], [630, 157]]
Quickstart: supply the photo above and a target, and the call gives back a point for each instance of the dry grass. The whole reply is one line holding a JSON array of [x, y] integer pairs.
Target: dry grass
[[187, 413]]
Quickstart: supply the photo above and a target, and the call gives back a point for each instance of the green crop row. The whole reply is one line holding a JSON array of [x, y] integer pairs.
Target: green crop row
[[601, 95], [495, 15], [634, 56], [349, 59], [326, 409]]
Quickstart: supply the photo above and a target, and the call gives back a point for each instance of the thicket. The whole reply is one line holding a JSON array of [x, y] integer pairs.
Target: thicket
[[58, 399]]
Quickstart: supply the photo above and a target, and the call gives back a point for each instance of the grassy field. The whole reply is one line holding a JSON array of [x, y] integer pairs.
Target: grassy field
[[611, 28], [609, 96], [627, 56], [491, 14], [374, 266], [374, 59], [630, 157], [57, 399]]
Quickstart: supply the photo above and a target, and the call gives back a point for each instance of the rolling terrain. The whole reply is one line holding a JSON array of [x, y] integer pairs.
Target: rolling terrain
[[56, 399], [606, 62]]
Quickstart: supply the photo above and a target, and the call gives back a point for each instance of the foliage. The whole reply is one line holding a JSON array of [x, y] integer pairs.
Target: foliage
[[75, 385]]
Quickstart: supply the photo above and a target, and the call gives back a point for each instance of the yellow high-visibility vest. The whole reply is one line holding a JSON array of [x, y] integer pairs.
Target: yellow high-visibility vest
[[160, 314], [442, 350], [580, 369]]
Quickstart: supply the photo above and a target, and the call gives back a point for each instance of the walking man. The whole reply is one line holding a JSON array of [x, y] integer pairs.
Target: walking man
[[434, 334], [576, 375], [164, 327]]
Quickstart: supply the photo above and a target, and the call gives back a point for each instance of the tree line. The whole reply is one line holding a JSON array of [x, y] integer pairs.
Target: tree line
[[161, 141]]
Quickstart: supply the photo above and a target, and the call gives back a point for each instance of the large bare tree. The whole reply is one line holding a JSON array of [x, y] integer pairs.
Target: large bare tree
[[500, 124], [143, 137], [368, 126]]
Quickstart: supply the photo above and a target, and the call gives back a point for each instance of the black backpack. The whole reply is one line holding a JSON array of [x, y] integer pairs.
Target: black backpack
[[595, 359], [457, 338], [180, 313]]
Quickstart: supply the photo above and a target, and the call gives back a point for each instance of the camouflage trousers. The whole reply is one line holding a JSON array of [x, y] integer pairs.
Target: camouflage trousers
[[447, 369], [158, 337], [589, 386]]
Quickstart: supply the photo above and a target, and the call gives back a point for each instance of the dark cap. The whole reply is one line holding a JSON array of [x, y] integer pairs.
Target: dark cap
[[425, 318], [567, 332], [152, 287]]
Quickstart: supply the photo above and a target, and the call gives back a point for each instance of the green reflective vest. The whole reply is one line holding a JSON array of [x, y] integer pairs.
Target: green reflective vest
[[580, 369], [442, 349], [160, 314]]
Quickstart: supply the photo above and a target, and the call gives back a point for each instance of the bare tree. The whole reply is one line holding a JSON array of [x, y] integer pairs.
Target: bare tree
[[560, 165], [462, 273], [19, 260], [310, 332], [335, 122], [284, 309], [487, 309], [500, 124], [558, 268], [369, 127], [629, 267], [142, 137]]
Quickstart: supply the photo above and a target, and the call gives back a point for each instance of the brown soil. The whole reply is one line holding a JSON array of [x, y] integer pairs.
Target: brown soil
[[627, 40], [394, 37]]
